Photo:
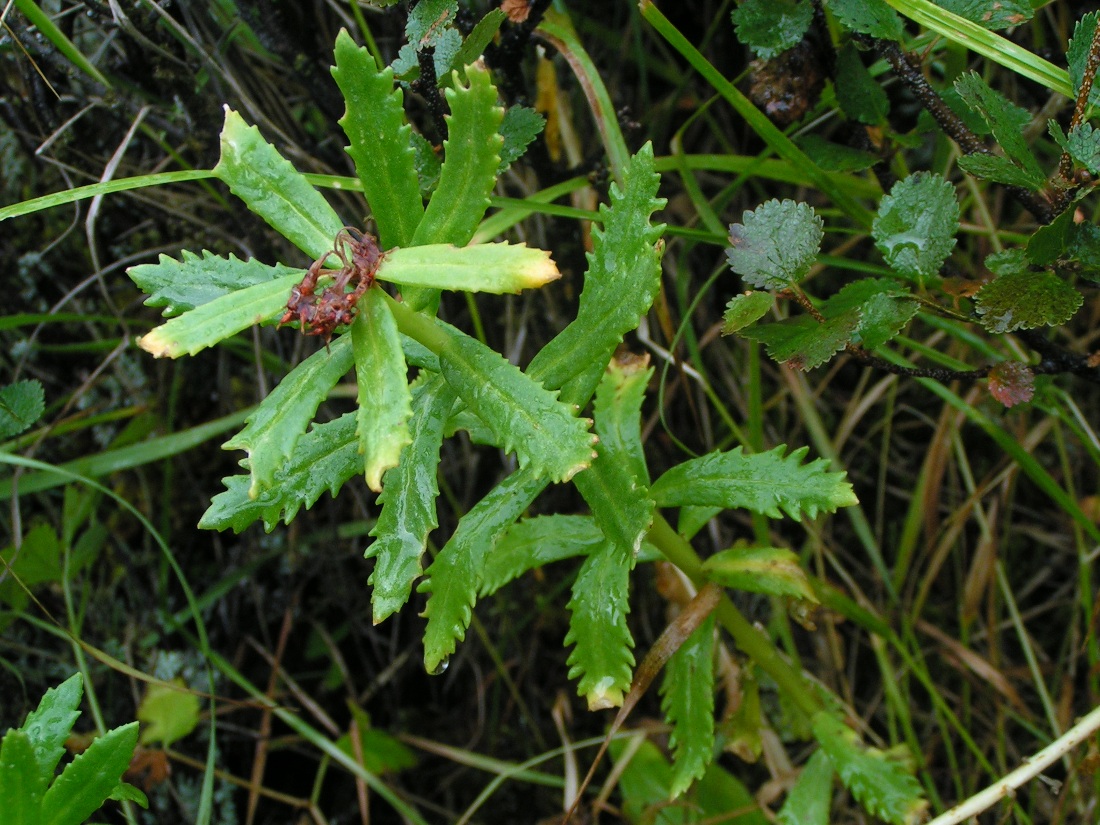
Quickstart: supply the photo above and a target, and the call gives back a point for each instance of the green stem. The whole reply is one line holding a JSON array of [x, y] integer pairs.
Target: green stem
[[749, 639]]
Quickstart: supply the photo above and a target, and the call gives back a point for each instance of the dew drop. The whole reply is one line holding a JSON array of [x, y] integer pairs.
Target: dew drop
[[439, 668]]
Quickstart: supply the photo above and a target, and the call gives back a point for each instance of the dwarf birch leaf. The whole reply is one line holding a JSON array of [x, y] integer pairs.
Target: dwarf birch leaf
[[810, 798], [871, 17], [859, 95], [50, 724], [882, 317], [220, 318], [22, 784], [1012, 383], [769, 27], [624, 272], [803, 342], [454, 577], [916, 225], [601, 657], [274, 427], [21, 404], [687, 701], [427, 20], [1008, 121], [90, 778], [471, 155], [1000, 170], [182, 285], [383, 392], [1051, 242], [878, 783], [323, 459], [745, 309], [519, 128], [491, 267], [1077, 54], [1082, 144], [257, 174], [999, 15], [524, 416], [409, 491], [1023, 299], [776, 244], [381, 142], [773, 571], [764, 483]]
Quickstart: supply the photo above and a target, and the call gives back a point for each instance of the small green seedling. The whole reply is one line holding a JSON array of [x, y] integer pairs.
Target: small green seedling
[[31, 790]]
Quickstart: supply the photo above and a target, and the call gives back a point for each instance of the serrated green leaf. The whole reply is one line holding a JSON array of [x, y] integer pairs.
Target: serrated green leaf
[[769, 27], [50, 724], [776, 244], [276, 425], [1084, 245], [624, 271], [89, 779], [519, 128], [491, 267], [879, 784], [385, 403], [545, 433], [470, 160], [687, 701], [409, 491], [810, 798], [377, 750], [22, 783], [455, 575], [1025, 300], [1000, 170], [859, 95], [601, 657], [216, 320], [871, 17], [615, 485], [324, 458], [273, 189], [999, 15], [168, 715], [1077, 54], [1082, 144], [916, 225], [803, 342], [1008, 121], [618, 412], [745, 309], [21, 404], [381, 142], [773, 571], [764, 483], [180, 286], [535, 542]]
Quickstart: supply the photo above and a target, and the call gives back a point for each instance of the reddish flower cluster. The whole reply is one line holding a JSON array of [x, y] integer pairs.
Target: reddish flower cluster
[[320, 314]]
